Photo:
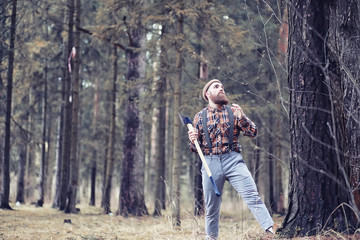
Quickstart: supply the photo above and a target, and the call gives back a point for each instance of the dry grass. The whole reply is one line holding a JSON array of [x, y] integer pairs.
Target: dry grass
[[29, 222]]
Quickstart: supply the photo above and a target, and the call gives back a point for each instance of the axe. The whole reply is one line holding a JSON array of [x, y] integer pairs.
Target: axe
[[187, 121]]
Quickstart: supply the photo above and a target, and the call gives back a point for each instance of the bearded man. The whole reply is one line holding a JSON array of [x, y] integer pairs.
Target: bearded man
[[217, 128]]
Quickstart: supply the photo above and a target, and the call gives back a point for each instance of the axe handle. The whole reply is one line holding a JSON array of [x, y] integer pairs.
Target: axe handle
[[206, 166]]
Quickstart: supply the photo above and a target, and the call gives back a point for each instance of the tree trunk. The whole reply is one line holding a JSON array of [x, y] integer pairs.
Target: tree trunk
[[257, 159], [199, 207], [270, 185], [279, 191], [1, 167], [96, 145], [6, 164], [319, 168], [51, 155], [67, 141], [160, 160], [30, 147], [131, 198], [198, 191], [58, 182], [176, 142], [74, 158], [3, 6], [282, 50], [44, 159], [343, 42], [60, 128], [111, 142], [20, 190]]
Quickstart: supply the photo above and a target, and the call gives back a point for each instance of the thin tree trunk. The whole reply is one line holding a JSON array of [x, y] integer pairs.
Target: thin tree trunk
[[198, 191], [111, 141], [51, 155], [43, 163], [176, 141], [74, 158], [1, 167], [199, 207], [6, 165], [169, 134], [279, 191], [67, 141], [20, 190], [105, 167], [257, 158], [30, 147], [2, 87], [60, 136], [58, 182], [282, 50], [153, 149], [95, 146], [161, 128], [161, 173], [269, 184]]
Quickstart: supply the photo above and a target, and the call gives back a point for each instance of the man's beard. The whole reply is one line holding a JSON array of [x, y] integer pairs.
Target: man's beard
[[220, 99]]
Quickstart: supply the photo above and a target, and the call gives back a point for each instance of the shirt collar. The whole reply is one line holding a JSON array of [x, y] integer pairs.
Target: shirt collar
[[213, 110]]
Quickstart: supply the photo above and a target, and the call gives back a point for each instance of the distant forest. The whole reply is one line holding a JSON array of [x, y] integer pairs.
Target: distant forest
[[90, 93]]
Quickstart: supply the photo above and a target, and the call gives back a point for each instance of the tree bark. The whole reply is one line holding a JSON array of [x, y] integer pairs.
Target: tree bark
[[3, 6], [257, 160], [66, 143], [74, 158], [343, 43], [95, 145], [30, 147], [282, 50], [319, 185], [44, 159], [279, 191], [131, 198], [111, 141], [199, 207], [176, 141], [59, 140], [6, 164], [60, 133], [20, 190], [160, 160], [51, 155]]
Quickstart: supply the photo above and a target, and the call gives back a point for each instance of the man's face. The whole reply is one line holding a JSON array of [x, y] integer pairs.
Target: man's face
[[217, 94]]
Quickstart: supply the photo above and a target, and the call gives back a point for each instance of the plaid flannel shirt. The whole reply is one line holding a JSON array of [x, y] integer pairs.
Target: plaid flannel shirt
[[218, 126]]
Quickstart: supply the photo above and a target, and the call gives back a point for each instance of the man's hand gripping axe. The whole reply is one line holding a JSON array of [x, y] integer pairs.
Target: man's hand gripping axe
[[187, 121]]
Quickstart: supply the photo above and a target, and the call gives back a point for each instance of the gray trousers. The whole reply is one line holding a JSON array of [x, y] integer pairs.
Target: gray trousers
[[230, 166]]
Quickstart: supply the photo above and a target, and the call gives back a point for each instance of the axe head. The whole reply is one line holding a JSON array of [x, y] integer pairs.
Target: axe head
[[184, 120]]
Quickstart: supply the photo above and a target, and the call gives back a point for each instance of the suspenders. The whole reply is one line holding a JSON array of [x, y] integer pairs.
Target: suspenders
[[231, 133]]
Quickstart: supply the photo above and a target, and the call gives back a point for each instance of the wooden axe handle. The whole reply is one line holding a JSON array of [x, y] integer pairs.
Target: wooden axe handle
[[206, 166], [191, 128]]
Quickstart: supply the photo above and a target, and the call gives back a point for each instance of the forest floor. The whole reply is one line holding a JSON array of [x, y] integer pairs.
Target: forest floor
[[29, 222]]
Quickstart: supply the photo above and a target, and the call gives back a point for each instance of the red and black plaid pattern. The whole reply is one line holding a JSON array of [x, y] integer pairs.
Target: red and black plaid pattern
[[218, 127]]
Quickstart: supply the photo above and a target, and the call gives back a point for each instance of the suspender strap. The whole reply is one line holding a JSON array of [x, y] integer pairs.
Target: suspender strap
[[231, 119], [207, 136], [206, 132]]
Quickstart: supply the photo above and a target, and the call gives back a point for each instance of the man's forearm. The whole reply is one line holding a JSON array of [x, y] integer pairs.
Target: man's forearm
[[248, 127]]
